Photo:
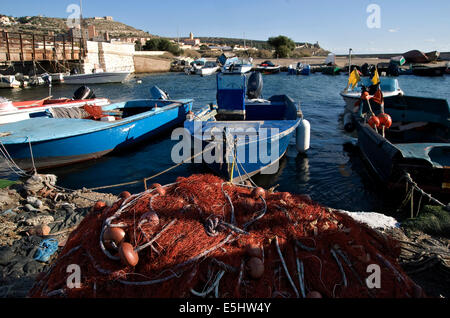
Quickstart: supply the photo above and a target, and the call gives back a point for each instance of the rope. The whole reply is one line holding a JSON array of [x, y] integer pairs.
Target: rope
[[10, 162], [31, 154], [414, 186]]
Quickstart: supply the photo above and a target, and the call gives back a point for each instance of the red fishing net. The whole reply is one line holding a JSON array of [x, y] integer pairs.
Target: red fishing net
[[200, 237], [95, 112]]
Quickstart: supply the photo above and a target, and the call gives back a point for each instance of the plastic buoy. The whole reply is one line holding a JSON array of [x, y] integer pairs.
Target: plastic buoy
[[99, 205], [254, 250], [124, 195], [313, 294], [303, 135], [385, 120], [374, 122], [349, 126], [115, 234], [255, 267], [258, 192], [128, 255]]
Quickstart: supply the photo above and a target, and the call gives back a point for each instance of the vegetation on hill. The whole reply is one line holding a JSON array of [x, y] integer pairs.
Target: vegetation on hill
[[161, 44], [283, 45], [46, 25]]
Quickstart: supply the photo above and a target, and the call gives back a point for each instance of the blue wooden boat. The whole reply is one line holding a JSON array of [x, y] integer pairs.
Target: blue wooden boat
[[56, 140], [244, 134], [417, 143]]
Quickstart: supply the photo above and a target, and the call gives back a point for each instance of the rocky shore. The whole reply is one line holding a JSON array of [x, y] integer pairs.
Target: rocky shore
[[37, 209]]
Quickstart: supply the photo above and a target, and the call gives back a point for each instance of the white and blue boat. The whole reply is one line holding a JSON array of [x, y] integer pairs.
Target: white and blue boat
[[64, 136], [244, 134], [303, 69], [389, 87], [237, 66]]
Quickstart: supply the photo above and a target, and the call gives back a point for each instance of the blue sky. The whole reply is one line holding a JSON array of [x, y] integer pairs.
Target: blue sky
[[336, 25]]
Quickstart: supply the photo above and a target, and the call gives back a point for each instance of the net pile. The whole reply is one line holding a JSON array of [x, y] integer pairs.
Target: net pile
[[203, 237]]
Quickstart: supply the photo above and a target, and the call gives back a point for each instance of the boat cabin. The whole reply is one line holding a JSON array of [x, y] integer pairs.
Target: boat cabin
[[239, 98]]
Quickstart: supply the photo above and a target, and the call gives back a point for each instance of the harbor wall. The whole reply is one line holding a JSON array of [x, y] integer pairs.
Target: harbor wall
[[108, 56], [150, 64]]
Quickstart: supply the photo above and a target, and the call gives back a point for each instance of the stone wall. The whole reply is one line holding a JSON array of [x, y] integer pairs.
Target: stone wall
[[109, 56], [147, 64]]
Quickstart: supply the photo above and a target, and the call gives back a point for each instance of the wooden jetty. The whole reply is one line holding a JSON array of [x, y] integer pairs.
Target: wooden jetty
[[53, 51]]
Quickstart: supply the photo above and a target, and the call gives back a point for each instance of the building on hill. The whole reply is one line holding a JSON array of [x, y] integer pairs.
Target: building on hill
[[192, 41], [141, 40], [107, 18]]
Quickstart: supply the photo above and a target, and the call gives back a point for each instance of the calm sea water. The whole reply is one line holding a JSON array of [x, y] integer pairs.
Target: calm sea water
[[331, 172]]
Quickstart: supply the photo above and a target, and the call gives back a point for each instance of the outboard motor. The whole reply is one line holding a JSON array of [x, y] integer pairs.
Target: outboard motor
[[158, 93], [83, 92], [255, 85]]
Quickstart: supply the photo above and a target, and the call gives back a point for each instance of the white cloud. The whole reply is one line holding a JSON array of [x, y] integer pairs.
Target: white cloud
[[394, 30], [432, 40]]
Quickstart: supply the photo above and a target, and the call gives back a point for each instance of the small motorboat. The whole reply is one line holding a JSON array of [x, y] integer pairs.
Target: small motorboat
[[267, 67], [415, 139], [300, 69], [237, 66], [389, 87], [194, 66], [9, 81], [209, 68], [17, 111], [97, 77], [303, 69], [245, 134], [70, 135]]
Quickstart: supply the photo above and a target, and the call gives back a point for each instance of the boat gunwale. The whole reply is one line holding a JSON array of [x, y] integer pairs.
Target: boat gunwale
[[107, 125]]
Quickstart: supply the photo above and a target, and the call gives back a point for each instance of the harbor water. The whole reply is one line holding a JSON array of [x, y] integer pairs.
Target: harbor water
[[332, 172]]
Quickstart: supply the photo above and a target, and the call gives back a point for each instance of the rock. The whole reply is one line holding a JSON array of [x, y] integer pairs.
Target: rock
[[28, 207], [35, 202], [39, 181], [40, 230], [5, 199], [6, 255], [32, 267], [39, 220], [9, 212]]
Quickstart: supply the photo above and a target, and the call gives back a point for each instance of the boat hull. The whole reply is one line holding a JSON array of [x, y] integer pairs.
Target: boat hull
[[389, 164], [237, 69], [429, 71], [206, 71], [53, 152], [244, 167], [96, 78], [268, 69], [351, 98]]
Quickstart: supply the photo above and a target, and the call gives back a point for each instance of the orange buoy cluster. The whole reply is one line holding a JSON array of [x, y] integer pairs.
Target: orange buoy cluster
[[204, 234], [382, 120]]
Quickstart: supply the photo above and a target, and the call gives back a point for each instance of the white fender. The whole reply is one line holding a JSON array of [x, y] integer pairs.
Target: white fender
[[303, 135]]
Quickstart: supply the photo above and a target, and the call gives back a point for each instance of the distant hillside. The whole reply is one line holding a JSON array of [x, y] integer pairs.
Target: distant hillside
[[44, 25], [307, 48]]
